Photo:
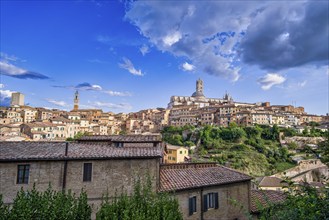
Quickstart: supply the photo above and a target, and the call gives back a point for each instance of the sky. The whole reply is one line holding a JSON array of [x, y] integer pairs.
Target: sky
[[125, 56]]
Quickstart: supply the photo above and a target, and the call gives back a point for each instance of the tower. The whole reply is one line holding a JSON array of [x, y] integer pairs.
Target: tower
[[17, 98], [199, 86], [76, 101]]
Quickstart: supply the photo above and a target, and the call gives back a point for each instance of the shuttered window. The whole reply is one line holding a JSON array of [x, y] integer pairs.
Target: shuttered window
[[87, 172], [192, 205], [210, 200]]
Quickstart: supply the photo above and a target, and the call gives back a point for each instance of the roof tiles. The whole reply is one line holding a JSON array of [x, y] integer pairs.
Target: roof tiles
[[20, 151], [175, 177]]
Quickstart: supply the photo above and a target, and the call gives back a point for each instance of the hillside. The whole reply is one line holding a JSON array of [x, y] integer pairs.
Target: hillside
[[254, 150]]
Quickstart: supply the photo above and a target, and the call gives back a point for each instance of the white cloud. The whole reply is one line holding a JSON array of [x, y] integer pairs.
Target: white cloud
[[115, 93], [128, 65], [302, 84], [211, 45], [270, 80], [188, 67], [104, 39], [144, 49], [58, 103], [6, 93], [172, 38], [8, 57], [125, 106]]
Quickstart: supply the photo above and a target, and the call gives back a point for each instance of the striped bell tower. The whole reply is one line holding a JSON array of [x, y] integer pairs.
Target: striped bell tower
[[76, 101]]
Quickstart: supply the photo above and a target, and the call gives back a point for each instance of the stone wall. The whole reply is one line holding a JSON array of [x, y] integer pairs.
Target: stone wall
[[231, 198], [108, 176]]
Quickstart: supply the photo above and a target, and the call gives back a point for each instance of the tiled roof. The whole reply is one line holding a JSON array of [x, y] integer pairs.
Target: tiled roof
[[123, 138], [268, 181], [175, 177], [20, 151], [40, 124], [262, 198]]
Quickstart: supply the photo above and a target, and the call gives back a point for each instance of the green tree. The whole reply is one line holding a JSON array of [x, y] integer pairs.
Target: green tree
[[304, 202], [142, 204], [47, 205]]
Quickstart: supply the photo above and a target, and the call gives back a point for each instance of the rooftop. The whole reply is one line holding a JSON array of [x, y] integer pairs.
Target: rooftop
[[263, 198], [25, 151], [175, 177], [123, 138], [268, 181]]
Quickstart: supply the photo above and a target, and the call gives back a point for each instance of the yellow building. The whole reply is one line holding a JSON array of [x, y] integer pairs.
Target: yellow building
[[176, 154]]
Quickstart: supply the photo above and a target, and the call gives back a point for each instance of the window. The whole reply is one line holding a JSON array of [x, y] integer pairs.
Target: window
[[23, 172], [180, 152], [210, 200], [192, 205], [87, 171]]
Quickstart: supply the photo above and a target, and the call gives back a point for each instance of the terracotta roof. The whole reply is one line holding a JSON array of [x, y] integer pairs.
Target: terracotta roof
[[40, 124], [268, 181], [175, 177], [263, 198], [123, 138], [22, 151]]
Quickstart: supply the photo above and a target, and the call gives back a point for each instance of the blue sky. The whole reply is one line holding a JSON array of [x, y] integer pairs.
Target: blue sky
[[124, 56]]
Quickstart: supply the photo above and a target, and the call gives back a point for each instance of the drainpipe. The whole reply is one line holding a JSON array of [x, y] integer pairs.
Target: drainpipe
[[65, 167], [201, 199]]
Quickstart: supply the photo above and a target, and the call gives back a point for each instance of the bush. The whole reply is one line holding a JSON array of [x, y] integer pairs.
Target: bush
[[143, 204], [47, 205]]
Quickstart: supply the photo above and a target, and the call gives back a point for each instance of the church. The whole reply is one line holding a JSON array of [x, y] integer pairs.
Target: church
[[198, 98]]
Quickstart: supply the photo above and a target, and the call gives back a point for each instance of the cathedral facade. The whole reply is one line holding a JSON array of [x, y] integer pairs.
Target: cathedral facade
[[198, 99]]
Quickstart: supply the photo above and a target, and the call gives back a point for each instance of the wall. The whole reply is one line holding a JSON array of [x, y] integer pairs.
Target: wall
[[107, 176], [238, 193]]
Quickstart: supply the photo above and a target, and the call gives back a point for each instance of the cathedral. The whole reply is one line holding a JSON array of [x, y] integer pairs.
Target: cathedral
[[198, 98]]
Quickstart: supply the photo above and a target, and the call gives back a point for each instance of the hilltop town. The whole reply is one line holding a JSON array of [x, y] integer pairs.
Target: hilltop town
[[210, 150], [21, 122]]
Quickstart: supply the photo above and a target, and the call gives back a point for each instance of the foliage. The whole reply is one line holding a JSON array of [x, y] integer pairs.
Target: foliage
[[324, 151], [77, 136], [47, 205], [143, 204], [304, 202], [234, 145]]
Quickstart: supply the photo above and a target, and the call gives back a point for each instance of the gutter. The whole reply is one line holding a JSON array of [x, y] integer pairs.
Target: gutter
[[65, 167]]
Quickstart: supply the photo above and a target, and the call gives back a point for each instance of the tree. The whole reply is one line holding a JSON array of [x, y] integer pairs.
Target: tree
[[142, 204], [47, 205], [304, 202]]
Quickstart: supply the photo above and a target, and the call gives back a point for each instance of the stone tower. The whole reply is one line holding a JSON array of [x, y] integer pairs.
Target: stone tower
[[198, 94], [199, 86], [76, 101]]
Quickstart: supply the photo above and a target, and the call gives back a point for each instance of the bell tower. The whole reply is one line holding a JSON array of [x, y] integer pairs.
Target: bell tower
[[199, 86], [76, 101]]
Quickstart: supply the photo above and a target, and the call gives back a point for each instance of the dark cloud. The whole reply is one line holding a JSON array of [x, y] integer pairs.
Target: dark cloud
[[4, 101], [28, 75], [11, 70], [82, 86], [287, 36]]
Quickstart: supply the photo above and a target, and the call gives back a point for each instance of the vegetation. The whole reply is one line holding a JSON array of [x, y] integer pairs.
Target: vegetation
[[46, 205], [304, 202], [144, 204], [77, 136], [255, 150]]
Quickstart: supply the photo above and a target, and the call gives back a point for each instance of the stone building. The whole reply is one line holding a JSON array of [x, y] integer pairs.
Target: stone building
[[97, 168], [206, 190], [101, 164], [17, 98]]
